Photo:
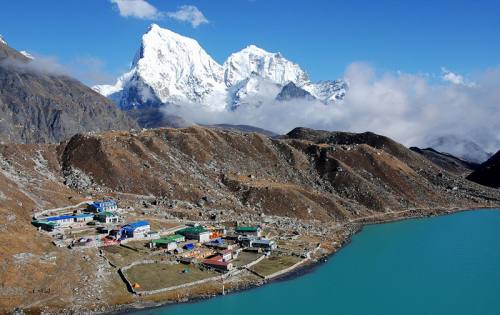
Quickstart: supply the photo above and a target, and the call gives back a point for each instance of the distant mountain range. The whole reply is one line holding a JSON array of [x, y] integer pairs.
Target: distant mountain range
[[172, 69], [168, 70], [463, 148]]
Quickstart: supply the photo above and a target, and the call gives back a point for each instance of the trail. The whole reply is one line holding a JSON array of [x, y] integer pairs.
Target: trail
[[43, 212]]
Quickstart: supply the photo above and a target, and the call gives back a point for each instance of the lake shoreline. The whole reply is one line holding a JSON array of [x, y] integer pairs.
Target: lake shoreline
[[350, 229]]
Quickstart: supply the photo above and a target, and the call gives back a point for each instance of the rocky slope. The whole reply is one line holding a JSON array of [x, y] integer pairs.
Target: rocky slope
[[39, 106], [447, 161], [313, 177], [488, 173]]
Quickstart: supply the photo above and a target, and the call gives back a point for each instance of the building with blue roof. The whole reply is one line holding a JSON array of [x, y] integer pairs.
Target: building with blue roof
[[68, 219], [134, 228], [103, 206]]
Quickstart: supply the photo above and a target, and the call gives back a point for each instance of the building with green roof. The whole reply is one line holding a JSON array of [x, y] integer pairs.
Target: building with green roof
[[169, 242], [248, 230], [45, 225], [199, 233]]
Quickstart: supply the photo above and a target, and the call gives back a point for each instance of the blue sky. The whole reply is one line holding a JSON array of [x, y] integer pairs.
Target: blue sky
[[322, 36]]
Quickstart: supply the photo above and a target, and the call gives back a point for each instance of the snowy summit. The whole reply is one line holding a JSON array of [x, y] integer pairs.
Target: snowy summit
[[173, 69]]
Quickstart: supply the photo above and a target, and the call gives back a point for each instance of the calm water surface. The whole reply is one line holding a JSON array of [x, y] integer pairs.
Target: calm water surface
[[442, 265]]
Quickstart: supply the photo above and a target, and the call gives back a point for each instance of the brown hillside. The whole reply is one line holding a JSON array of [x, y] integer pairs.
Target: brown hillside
[[311, 176]]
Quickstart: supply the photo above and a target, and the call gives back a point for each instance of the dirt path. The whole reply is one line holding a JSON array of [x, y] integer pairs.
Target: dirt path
[[43, 212]]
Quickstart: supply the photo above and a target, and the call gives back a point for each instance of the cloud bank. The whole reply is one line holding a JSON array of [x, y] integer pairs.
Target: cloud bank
[[141, 9], [47, 65], [89, 70], [406, 107]]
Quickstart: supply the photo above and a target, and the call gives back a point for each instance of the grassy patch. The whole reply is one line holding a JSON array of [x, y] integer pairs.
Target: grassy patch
[[121, 256], [157, 276], [274, 264], [244, 258]]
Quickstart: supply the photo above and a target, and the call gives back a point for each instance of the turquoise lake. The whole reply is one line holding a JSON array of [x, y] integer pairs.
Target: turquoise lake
[[441, 265]]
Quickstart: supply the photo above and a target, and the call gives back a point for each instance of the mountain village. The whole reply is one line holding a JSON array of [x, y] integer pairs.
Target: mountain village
[[153, 256]]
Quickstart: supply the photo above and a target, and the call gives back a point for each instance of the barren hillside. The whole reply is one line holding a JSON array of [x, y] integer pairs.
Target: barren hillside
[[320, 177]]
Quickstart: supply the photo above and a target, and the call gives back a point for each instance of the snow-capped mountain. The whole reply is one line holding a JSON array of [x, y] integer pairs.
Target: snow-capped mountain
[[172, 69], [168, 68], [327, 91], [252, 91], [270, 66]]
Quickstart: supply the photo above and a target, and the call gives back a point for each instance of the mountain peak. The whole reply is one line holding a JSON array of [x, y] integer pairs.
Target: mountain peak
[[167, 68], [173, 69], [268, 65], [153, 26], [159, 37], [254, 49], [2, 40]]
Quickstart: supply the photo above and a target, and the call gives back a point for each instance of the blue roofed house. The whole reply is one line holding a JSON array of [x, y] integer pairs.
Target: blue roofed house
[[134, 229], [68, 219], [62, 220], [103, 206]]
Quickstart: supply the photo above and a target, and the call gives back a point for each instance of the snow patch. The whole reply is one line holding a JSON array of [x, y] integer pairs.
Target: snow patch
[[26, 54]]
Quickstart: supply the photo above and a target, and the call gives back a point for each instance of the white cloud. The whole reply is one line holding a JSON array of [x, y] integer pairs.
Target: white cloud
[[89, 70], [189, 14], [406, 107], [140, 9], [48, 65], [454, 78]]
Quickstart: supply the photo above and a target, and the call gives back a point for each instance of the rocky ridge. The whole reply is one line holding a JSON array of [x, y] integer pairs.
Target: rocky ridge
[[488, 173], [37, 105]]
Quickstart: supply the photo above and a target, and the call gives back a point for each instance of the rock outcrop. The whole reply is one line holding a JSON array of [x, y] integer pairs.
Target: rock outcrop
[[488, 173]]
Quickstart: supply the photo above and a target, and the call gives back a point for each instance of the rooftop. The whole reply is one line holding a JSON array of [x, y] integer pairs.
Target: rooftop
[[216, 261], [60, 217], [107, 214], [104, 203], [264, 241], [43, 222], [247, 228], [136, 224], [167, 239], [192, 230]]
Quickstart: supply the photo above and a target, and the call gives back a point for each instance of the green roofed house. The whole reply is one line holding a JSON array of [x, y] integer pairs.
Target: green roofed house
[[248, 230], [198, 233], [107, 217], [45, 225], [169, 242]]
